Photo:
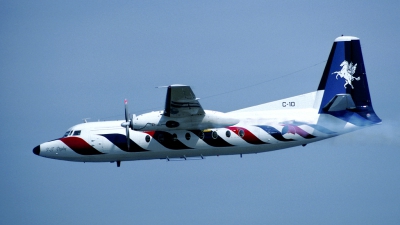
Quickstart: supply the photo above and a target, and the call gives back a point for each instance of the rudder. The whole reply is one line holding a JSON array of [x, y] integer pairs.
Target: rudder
[[344, 82]]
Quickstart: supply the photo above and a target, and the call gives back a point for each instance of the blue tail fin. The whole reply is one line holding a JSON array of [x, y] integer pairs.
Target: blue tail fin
[[344, 82]]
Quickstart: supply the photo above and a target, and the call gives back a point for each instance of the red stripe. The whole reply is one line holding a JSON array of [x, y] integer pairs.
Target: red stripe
[[80, 146]]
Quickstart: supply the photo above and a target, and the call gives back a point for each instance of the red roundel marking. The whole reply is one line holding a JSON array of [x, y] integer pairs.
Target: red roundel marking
[[80, 146], [248, 136]]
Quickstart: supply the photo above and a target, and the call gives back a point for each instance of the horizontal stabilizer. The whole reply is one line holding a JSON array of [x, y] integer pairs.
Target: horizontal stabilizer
[[340, 102]]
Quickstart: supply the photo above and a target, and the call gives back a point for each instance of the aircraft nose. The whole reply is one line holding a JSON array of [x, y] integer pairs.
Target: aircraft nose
[[36, 150]]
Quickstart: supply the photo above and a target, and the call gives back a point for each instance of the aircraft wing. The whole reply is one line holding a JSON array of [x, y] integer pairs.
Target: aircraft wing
[[181, 102]]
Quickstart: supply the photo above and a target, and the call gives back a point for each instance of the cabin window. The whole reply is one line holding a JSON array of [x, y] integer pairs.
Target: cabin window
[[147, 138], [214, 134], [241, 133], [228, 133], [77, 132], [187, 136], [201, 135]]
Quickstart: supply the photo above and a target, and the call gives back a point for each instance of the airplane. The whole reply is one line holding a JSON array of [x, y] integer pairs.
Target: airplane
[[184, 130]]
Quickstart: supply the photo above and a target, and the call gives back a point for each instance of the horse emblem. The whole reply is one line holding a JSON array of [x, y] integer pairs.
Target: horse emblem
[[347, 73]]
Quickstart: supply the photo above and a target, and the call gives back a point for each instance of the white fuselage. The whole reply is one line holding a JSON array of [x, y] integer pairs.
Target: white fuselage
[[257, 130]]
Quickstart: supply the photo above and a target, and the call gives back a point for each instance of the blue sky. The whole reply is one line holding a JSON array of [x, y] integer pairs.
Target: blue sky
[[61, 62]]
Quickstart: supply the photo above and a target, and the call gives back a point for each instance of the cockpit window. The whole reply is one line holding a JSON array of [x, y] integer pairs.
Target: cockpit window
[[67, 133], [77, 132]]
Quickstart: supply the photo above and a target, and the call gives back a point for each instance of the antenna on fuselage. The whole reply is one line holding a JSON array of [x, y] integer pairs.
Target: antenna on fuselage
[[85, 119]]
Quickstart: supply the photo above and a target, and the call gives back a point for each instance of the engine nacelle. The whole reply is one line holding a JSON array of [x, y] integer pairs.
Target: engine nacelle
[[154, 121]]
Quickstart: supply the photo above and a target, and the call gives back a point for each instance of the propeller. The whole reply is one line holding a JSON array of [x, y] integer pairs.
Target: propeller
[[128, 124]]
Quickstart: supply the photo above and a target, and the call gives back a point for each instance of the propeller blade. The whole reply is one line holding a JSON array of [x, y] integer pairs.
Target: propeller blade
[[128, 139], [126, 110], [127, 124]]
